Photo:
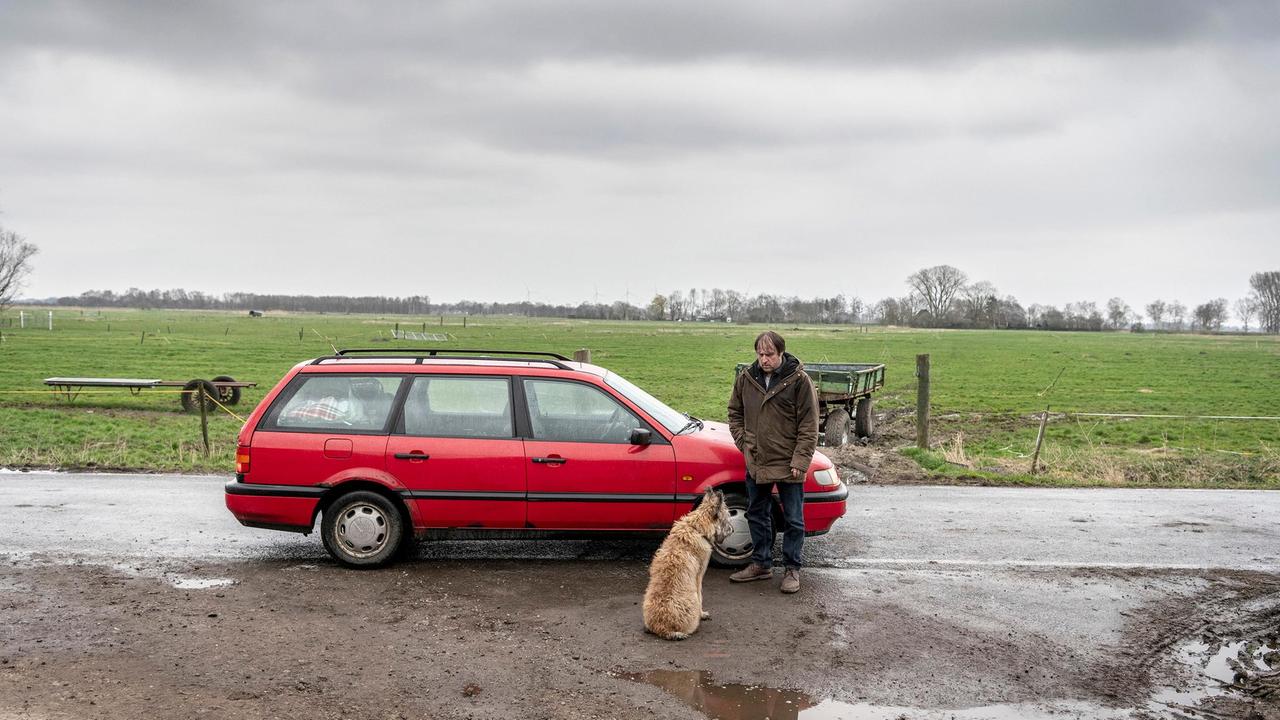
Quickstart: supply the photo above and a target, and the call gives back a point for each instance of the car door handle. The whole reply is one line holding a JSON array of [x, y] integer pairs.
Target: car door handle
[[551, 461], [411, 456]]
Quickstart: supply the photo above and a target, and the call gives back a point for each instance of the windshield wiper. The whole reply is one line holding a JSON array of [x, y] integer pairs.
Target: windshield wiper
[[693, 422]]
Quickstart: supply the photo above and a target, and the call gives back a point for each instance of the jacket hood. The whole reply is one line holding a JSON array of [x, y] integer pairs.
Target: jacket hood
[[790, 364]]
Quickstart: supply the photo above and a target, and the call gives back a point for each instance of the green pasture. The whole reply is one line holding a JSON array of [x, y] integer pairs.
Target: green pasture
[[987, 387]]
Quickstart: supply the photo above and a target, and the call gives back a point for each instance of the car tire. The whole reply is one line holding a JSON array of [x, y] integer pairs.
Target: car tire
[[362, 529], [227, 395], [864, 421], [837, 428], [191, 396], [736, 549]]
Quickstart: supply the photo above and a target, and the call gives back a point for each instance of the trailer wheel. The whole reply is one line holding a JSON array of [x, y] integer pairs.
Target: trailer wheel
[[864, 421], [836, 433], [191, 395], [227, 395]]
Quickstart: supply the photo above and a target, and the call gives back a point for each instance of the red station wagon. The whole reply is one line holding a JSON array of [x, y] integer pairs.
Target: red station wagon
[[389, 445]]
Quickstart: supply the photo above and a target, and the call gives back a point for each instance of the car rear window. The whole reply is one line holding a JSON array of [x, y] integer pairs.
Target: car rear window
[[335, 403], [452, 406]]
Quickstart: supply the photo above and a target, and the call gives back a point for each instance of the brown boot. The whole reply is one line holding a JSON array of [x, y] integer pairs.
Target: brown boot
[[754, 571], [791, 580]]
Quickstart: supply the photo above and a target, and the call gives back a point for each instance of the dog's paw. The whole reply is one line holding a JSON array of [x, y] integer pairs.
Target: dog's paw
[[676, 636], [706, 615]]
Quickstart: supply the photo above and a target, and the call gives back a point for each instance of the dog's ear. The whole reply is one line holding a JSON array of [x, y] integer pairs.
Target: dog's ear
[[715, 497]]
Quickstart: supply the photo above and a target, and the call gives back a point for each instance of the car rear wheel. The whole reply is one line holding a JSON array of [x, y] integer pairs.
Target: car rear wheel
[[734, 550], [362, 529], [836, 433]]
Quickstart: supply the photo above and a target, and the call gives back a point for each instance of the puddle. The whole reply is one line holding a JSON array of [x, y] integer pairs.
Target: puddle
[[1219, 669], [195, 583], [731, 701]]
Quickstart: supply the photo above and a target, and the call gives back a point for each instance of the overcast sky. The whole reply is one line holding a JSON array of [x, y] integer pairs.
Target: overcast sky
[[564, 151]]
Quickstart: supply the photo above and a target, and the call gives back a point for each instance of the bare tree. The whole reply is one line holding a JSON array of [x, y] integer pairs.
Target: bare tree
[[1246, 307], [1118, 312], [979, 303], [1177, 314], [15, 264], [1266, 287], [1210, 316], [1155, 311], [937, 287]]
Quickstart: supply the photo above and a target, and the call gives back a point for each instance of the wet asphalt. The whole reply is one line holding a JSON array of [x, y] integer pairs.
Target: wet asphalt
[[120, 518]]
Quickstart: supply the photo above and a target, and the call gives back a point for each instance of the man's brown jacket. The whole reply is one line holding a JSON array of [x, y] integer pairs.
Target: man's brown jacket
[[777, 429]]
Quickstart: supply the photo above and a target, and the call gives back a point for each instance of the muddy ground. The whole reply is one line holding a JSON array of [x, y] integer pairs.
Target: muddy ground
[[553, 639]]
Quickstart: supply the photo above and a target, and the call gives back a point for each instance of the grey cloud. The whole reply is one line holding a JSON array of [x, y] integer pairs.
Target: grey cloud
[[516, 32]]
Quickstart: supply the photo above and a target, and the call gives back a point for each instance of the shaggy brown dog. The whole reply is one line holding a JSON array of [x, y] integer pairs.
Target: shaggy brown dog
[[673, 600]]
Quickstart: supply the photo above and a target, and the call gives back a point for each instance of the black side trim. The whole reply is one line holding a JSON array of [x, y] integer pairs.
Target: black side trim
[[837, 495], [840, 494], [459, 495], [600, 497], [304, 529], [240, 488], [537, 497]]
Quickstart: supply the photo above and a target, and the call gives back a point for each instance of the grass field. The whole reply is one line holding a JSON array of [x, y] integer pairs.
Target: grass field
[[987, 386]]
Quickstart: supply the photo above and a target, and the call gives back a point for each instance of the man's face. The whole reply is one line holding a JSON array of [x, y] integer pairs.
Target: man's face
[[768, 356]]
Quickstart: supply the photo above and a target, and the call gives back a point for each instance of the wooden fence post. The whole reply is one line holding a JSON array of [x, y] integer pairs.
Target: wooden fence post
[[204, 422], [922, 401], [1035, 456], [582, 356]]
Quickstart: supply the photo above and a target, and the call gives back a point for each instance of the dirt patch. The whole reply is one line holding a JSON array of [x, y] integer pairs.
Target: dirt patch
[[531, 639], [1235, 607], [876, 459]]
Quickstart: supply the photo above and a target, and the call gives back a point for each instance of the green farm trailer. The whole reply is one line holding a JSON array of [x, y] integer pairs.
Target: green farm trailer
[[844, 398]]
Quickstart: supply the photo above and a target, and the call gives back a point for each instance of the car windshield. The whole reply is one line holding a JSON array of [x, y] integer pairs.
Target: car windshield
[[656, 409]]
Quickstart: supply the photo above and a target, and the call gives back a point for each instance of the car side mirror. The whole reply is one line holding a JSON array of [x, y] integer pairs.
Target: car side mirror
[[641, 436]]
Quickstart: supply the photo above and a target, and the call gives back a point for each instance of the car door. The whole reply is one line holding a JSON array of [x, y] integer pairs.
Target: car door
[[454, 447], [583, 472], [324, 426]]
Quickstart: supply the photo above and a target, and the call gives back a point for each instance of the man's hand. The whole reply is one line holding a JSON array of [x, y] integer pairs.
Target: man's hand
[[795, 473]]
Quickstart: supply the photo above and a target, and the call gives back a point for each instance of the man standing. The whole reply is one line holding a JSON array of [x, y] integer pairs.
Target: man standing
[[773, 416]]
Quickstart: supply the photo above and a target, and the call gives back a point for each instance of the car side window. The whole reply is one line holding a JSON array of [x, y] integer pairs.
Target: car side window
[[337, 403], [574, 412], [465, 407]]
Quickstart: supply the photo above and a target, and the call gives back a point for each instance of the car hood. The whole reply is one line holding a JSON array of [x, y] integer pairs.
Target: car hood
[[717, 433]]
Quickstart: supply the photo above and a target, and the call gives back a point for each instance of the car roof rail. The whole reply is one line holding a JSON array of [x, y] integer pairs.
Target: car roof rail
[[555, 359]]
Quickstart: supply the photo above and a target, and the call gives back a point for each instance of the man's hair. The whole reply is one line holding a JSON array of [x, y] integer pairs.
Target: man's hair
[[774, 339]]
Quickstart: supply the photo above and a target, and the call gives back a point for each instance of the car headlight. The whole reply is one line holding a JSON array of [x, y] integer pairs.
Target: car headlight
[[826, 477]]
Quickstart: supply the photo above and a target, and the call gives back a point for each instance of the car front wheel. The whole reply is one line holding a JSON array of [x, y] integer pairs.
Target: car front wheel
[[734, 550], [362, 529]]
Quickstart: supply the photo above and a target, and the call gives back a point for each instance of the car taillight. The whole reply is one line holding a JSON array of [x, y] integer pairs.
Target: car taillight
[[242, 460]]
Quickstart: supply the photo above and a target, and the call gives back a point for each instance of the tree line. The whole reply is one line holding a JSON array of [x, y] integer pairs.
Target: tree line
[[938, 297]]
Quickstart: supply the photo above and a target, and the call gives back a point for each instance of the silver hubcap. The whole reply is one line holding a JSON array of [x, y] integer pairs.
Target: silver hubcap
[[738, 544], [362, 530]]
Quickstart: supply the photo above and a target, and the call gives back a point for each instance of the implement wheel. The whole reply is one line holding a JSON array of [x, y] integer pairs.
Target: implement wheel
[[836, 433], [864, 421], [227, 395], [191, 396]]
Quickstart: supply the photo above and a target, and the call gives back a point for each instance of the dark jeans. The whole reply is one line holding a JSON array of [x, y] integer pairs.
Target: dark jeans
[[760, 520]]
